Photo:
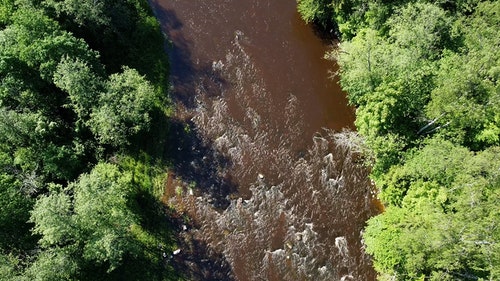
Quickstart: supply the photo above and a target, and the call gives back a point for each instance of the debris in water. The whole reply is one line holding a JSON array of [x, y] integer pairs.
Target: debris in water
[[176, 252], [341, 244], [347, 277], [217, 65]]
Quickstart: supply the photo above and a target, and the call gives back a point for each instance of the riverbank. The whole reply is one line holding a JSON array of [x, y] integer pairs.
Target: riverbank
[[83, 120], [424, 80]]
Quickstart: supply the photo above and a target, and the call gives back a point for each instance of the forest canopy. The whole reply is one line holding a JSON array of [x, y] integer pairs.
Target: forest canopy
[[424, 78], [79, 90]]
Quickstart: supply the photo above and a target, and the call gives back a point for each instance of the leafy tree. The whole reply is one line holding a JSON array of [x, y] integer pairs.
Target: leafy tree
[[82, 84], [444, 228], [390, 85], [15, 205], [118, 29], [83, 12], [124, 109], [425, 84], [38, 41], [93, 224], [64, 96], [61, 104], [91, 230], [6, 10], [468, 94], [344, 15], [438, 161], [53, 264], [8, 265], [423, 29]]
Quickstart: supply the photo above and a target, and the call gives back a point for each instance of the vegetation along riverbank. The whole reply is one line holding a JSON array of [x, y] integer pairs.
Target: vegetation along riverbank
[[424, 78], [83, 125], [83, 110]]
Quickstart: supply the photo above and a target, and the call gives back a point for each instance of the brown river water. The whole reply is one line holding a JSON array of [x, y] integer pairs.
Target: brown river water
[[265, 183]]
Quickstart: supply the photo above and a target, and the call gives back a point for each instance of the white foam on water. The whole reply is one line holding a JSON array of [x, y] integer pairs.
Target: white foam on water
[[290, 226]]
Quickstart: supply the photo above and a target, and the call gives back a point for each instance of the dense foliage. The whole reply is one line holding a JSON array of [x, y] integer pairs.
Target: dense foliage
[[78, 90], [424, 77]]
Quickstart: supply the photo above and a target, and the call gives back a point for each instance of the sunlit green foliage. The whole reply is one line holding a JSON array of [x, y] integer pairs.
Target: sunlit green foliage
[[349, 16], [124, 108], [445, 227], [82, 12], [68, 103], [89, 220], [346, 15], [83, 86], [119, 30], [424, 79], [390, 79], [467, 95]]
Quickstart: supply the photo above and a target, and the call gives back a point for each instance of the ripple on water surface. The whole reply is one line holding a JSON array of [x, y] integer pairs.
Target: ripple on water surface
[[271, 192]]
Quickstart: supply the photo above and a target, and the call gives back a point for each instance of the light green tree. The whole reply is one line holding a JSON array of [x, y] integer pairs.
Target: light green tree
[[444, 227], [124, 108], [83, 86], [90, 220], [466, 99]]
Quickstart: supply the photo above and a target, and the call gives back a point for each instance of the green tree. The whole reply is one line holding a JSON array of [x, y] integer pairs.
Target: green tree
[[82, 84], [93, 224], [422, 28], [83, 12], [56, 94], [38, 41], [390, 87], [443, 228], [52, 265], [15, 204], [315, 10], [124, 108], [425, 84], [467, 95], [8, 266]]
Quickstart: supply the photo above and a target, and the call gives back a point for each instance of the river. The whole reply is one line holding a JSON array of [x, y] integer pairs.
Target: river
[[266, 186]]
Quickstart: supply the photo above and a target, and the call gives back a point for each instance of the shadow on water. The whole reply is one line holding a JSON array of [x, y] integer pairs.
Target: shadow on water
[[185, 73], [193, 158], [196, 162], [327, 33], [196, 260]]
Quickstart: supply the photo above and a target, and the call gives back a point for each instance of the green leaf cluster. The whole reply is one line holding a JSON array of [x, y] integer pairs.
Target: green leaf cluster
[[87, 222], [348, 17], [424, 78], [445, 224], [72, 110]]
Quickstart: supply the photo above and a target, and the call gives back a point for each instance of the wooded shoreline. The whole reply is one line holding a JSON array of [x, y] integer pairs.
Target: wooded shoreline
[[424, 77]]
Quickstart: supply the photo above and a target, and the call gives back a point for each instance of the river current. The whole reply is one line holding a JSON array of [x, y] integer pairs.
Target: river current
[[268, 179]]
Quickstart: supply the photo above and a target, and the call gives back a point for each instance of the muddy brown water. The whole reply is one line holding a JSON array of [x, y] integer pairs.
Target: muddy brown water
[[267, 189]]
